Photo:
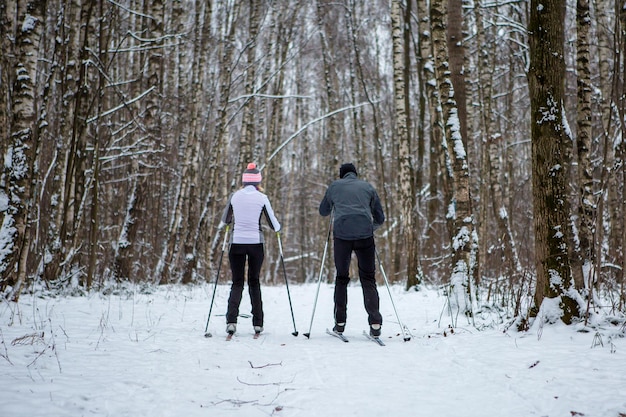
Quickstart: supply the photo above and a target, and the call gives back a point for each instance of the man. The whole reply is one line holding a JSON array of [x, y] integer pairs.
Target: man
[[357, 213]]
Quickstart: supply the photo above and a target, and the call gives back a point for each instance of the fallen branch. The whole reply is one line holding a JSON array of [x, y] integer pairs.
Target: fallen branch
[[265, 366], [28, 339], [235, 402]]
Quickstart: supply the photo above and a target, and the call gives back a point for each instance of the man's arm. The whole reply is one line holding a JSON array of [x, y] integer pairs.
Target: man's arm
[[377, 211], [326, 205]]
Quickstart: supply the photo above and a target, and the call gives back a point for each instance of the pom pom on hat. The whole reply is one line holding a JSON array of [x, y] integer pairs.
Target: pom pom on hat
[[251, 176]]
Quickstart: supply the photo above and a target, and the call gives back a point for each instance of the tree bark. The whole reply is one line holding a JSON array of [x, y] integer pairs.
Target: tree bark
[[459, 211], [7, 28], [551, 209], [18, 177], [437, 183], [456, 50], [406, 174], [587, 204]]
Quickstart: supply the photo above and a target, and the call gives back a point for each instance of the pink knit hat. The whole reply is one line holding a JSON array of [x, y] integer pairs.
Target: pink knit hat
[[251, 176]]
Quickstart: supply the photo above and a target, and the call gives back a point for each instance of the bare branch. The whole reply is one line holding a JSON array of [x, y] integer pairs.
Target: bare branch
[[246, 96], [130, 10], [306, 126], [124, 104]]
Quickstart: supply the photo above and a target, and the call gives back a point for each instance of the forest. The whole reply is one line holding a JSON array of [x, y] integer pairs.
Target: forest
[[491, 129]]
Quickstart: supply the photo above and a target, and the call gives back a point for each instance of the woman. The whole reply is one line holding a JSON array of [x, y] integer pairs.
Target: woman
[[245, 209]]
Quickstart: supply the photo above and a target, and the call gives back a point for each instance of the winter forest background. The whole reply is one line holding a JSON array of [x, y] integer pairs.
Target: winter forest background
[[492, 131]]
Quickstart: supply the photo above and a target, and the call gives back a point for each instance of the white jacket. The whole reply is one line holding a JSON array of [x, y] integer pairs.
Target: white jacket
[[245, 209]]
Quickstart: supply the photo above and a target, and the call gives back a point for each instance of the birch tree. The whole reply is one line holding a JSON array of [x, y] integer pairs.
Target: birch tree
[[456, 51], [620, 152], [406, 174], [18, 176], [434, 135], [587, 204], [459, 210]]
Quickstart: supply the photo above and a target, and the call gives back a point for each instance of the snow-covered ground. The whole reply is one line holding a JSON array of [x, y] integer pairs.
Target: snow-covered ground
[[145, 354]]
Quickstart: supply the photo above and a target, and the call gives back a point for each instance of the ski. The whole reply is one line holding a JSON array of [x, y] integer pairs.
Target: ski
[[337, 335], [373, 338], [256, 335]]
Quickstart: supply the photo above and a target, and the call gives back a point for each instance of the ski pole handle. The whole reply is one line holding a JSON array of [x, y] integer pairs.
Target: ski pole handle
[[225, 237], [280, 244]]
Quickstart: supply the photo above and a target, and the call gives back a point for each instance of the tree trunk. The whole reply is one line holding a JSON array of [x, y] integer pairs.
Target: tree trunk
[[7, 28], [587, 204], [18, 177], [94, 223], [459, 211], [620, 75], [604, 14], [436, 181], [406, 174], [551, 212], [456, 50]]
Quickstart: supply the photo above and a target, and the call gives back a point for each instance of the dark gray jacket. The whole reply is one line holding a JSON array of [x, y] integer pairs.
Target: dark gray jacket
[[358, 211]]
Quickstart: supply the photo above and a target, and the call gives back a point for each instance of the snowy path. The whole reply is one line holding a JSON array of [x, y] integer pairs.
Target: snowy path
[[145, 355]]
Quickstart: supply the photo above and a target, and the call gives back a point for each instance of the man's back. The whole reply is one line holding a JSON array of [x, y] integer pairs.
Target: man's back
[[357, 207]]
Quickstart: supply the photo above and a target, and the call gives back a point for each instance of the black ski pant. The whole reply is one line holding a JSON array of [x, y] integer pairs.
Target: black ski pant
[[237, 255], [365, 251]]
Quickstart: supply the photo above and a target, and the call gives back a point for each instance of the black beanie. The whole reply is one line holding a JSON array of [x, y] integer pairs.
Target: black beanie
[[345, 168]]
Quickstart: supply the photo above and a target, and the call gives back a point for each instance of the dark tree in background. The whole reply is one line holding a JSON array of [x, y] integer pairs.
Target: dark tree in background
[[550, 135]]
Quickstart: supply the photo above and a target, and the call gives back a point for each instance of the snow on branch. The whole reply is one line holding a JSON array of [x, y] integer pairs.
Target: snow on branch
[[130, 10], [124, 104], [306, 126], [246, 96]]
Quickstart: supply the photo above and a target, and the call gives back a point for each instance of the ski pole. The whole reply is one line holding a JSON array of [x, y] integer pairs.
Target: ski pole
[[217, 277], [405, 332], [282, 261], [319, 279]]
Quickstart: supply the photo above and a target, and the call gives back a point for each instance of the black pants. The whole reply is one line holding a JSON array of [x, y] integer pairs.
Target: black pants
[[365, 250], [237, 256]]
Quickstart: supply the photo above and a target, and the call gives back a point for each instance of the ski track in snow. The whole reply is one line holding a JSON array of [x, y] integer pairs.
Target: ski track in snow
[[139, 354]]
